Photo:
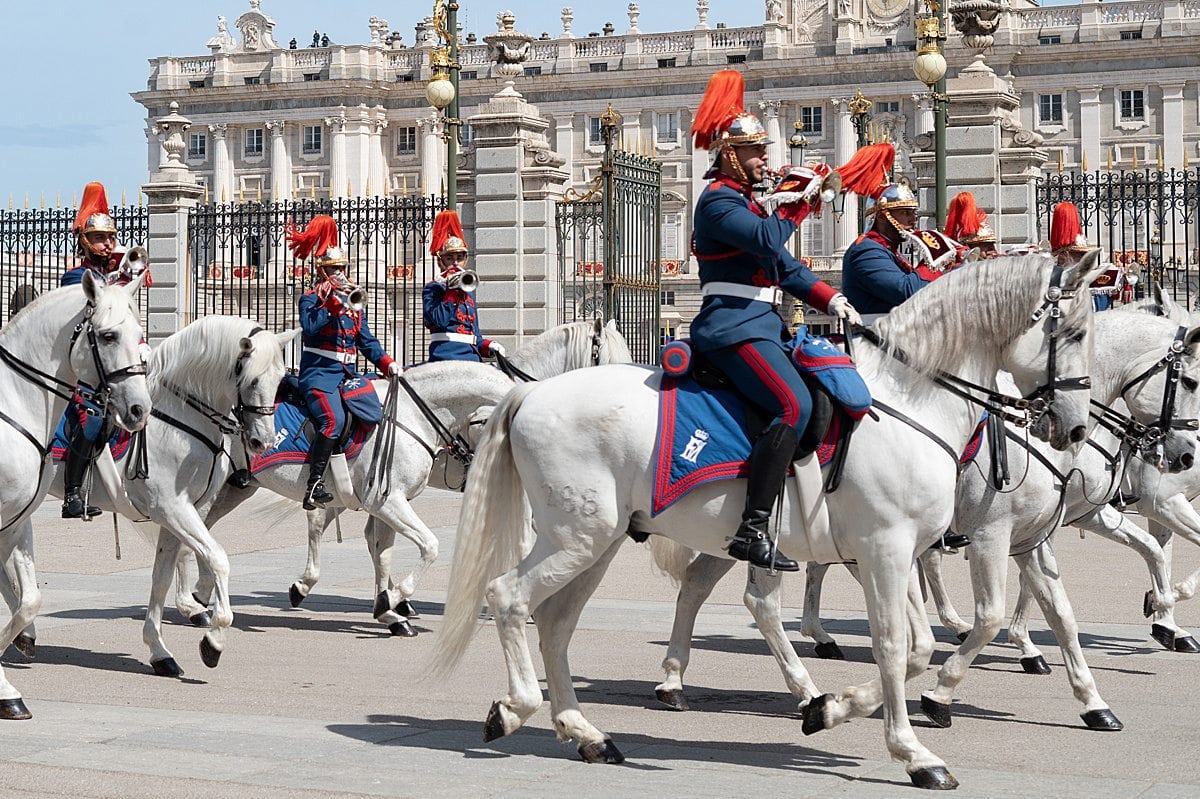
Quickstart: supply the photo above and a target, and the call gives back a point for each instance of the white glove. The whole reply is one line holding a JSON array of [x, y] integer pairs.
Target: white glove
[[496, 348], [840, 307], [393, 369]]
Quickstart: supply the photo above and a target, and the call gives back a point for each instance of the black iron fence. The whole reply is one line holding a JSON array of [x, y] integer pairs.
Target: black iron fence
[[1147, 220], [37, 246], [240, 263]]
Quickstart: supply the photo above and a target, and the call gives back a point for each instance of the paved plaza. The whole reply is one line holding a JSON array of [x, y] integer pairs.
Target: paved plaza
[[320, 702]]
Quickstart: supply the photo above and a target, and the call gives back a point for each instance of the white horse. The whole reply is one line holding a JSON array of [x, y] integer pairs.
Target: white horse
[[456, 392], [582, 445], [88, 333]]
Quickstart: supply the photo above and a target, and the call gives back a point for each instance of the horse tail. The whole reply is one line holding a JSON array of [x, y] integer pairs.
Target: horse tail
[[491, 537], [671, 557]]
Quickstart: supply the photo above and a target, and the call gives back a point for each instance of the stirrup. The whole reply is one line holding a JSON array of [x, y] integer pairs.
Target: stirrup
[[76, 508], [759, 551], [317, 496]]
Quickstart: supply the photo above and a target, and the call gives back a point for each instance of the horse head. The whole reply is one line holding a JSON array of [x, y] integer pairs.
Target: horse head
[[260, 368], [106, 352], [1160, 389]]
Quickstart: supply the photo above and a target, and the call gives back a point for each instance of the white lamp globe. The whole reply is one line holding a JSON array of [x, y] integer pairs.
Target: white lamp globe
[[439, 92], [930, 67]]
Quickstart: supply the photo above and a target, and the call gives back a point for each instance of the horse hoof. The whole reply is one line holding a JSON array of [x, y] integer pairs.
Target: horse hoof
[[201, 602], [962, 636], [1164, 635], [673, 699], [602, 752], [493, 725], [402, 629], [936, 712], [167, 667], [406, 609], [1102, 720], [294, 595], [937, 778], [381, 605], [1035, 665], [209, 654], [1147, 607], [814, 714], [25, 644], [201, 619], [14, 710], [830, 651], [1185, 644]]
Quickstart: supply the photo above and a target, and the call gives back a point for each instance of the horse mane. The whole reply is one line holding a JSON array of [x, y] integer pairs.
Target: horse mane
[[996, 298], [569, 346], [200, 357]]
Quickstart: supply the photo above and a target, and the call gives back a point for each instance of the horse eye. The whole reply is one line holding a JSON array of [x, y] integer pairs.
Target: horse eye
[[1190, 383], [254, 384], [109, 337]]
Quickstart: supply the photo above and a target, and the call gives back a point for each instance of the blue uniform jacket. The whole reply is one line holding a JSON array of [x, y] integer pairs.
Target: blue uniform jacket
[[451, 311], [874, 278], [331, 326], [736, 241], [73, 277]]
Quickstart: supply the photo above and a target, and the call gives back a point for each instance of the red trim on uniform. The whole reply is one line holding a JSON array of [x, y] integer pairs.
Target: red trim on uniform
[[780, 389], [385, 362], [328, 428], [820, 295]]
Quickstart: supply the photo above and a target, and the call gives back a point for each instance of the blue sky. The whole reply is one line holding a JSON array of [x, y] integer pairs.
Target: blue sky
[[70, 118]]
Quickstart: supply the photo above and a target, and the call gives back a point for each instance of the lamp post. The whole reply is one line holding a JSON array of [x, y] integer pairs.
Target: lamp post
[[930, 69], [860, 118], [442, 91], [797, 144]]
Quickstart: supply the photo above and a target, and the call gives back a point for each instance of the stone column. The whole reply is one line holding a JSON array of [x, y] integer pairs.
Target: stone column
[[776, 150], [221, 190], [337, 155], [360, 160], [433, 155], [1172, 125], [377, 170], [517, 180], [171, 192], [844, 145], [281, 164], [564, 142], [1089, 126]]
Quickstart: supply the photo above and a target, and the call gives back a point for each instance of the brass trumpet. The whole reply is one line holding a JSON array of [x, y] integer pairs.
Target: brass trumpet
[[133, 262], [466, 280], [348, 294]]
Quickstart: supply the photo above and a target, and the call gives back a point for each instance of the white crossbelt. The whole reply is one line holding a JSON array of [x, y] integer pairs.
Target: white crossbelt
[[343, 357], [771, 294], [461, 338]]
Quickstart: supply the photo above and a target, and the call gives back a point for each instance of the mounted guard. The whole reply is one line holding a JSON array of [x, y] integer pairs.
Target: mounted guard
[[1068, 245], [333, 318], [448, 302], [967, 224], [744, 267]]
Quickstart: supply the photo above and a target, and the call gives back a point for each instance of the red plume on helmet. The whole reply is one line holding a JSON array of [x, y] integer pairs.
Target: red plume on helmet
[[94, 202], [722, 103], [446, 225], [867, 171], [314, 240], [1065, 229], [963, 218]]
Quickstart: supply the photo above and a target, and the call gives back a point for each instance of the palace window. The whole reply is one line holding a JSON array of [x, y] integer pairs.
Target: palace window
[[469, 74], [312, 140], [595, 131], [668, 298], [254, 143], [1133, 104], [888, 107], [1050, 109], [252, 81], [667, 125], [311, 76], [812, 118], [1050, 39], [197, 146], [406, 140], [598, 67], [1130, 35], [532, 72], [666, 63], [735, 59]]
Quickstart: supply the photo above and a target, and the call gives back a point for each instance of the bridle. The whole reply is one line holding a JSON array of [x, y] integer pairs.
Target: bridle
[[516, 373]]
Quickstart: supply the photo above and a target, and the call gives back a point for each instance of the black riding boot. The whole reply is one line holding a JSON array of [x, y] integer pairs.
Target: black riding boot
[[769, 462], [317, 495], [73, 473]]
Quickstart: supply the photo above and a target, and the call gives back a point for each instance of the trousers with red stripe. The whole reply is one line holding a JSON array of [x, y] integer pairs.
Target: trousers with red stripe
[[762, 373]]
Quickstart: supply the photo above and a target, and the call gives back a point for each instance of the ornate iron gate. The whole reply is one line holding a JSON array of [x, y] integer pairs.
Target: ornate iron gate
[[1148, 220], [609, 244], [37, 246], [240, 263]]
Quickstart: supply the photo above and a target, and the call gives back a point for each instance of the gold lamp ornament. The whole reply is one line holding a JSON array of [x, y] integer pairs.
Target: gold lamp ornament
[[440, 91], [930, 64]]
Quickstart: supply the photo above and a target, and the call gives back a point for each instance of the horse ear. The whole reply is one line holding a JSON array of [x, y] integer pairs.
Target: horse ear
[[247, 345], [286, 337], [91, 286], [972, 255], [612, 325], [1167, 304], [132, 287], [1192, 337], [1085, 271]]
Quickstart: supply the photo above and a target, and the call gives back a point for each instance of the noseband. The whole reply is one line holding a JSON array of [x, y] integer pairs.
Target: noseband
[[1041, 399]]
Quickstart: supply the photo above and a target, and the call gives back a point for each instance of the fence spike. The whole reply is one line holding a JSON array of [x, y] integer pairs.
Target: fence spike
[[26, 201], [1083, 162], [1185, 161], [1160, 161], [10, 201], [206, 194], [223, 200], [367, 190], [1110, 152], [1060, 161], [347, 188], [404, 185], [259, 195], [58, 200], [241, 194], [123, 201], [1135, 160], [42, 201], [312, 191], [139, 197]]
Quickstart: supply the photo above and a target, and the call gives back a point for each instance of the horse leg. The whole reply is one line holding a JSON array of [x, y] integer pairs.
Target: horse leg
[[188, 525], [989, 575], [167, 558], [810, 623], [930, 563], [556, 618], [397, 515], [1177, 515], [16, 549], [1032, 660], [1041, 575], [26, 640], [699, 580], [318, 522], [762, 600]]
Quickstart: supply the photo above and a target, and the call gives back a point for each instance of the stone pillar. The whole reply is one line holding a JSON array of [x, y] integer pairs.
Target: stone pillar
[[377, 171], [1089, 126], [517, 180], [776, 150], [171, 192], [221, 190], [360, 160], [433, 155], [337, 155], [564, 142], [1172, 125], [844, 145], [924, 120], [281, 164]]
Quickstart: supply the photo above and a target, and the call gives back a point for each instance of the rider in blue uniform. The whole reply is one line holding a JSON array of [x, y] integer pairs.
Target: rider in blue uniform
[[448, 303], [98, 253], [334, 328], [1068, 245], [744, 263], [968, 225]]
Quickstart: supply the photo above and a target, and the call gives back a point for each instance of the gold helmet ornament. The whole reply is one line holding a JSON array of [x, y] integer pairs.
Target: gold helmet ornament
[[722, 120], [319, 240], [92, 216]]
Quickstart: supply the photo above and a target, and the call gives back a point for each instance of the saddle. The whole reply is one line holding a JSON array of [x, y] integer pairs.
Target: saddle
[[289, 393]]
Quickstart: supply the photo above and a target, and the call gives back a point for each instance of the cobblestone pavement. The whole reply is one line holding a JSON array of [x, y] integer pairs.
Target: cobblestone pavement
[[320, 701]]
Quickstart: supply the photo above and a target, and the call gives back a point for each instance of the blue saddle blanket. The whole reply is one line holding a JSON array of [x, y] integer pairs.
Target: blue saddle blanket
[[292, 446], [118, 442]]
